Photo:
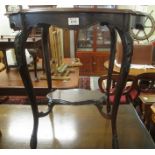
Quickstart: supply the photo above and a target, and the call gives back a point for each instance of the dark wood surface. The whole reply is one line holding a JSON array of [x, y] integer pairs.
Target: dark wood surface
[[78, 10], [7, 41], [147, 98], [72, 127], [49, 16], [66, 43], [93, 62]]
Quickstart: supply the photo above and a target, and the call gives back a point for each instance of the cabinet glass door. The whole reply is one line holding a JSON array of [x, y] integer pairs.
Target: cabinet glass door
[[102, 38], [94, 38], [85, 39]]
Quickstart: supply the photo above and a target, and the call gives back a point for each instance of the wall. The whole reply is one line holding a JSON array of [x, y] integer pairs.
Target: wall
[[4, 26], [6, 30]]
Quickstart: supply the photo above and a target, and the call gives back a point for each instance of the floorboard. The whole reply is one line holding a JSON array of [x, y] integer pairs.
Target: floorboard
[[71, 127]]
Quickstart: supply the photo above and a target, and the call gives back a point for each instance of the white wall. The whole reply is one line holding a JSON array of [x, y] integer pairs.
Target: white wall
[[6, 30], [4, 22]]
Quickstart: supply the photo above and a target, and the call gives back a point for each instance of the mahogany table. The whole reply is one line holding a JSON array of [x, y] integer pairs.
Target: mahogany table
[[116, 20]]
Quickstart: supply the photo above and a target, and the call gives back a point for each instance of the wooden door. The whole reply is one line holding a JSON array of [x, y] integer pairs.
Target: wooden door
[[66, 45], [86, 60], [98, 62]]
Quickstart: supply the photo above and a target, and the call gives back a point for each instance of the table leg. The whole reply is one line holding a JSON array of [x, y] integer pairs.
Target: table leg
[[35, 66], [46, 57], [147, 116], [5, 60], [127, 43], [33, 52], [23, 70], [111, 64]]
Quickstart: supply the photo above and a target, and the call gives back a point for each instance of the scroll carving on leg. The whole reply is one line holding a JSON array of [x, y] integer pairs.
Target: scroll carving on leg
[[107, 114], [125, 66], [111, 63], [24, 73], [23, 70]]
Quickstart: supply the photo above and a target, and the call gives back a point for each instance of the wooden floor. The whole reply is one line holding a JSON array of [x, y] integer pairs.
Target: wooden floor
[[71, 127]]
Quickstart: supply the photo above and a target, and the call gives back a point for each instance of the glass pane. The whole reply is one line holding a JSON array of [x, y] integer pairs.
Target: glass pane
[[94, 38], [85, 39], [102, 38]]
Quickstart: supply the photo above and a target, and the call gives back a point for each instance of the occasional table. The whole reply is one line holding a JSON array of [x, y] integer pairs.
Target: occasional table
[[116, 20]]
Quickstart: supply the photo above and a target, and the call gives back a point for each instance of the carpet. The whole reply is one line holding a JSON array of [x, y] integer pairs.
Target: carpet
[[84, 82], [24, 100]]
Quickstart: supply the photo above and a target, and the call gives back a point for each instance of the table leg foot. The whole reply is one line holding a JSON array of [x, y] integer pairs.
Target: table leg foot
[[115, 143], [33, 141]]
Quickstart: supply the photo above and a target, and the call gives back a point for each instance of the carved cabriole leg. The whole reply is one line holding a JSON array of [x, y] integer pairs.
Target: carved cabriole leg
[[127, 43], [23, 70], [107, 114], [99, 106], [111, 63], [46, 56]]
